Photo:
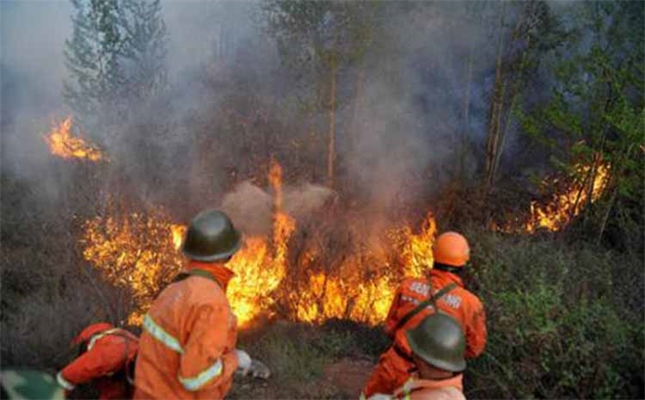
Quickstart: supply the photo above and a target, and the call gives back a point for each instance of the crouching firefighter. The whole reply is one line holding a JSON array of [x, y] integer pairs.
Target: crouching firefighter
[[187, 349], [441, 291], [106, 359], [437, 345]]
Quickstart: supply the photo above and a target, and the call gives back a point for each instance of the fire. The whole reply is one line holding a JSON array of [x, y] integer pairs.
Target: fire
[[417, 251], [133, 251], [362, 287], [63, 144], [565, 206], [139, 252], [261, 265], [178, 232]]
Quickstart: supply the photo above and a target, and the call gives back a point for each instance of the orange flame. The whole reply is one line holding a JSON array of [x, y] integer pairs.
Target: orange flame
[[557, 213], [139, 252], [63, 144], [565, 206], [178, 232], [132, 251]]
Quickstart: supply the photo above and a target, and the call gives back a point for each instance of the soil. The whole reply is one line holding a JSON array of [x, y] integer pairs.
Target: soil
[[349, 376], [343, 379]]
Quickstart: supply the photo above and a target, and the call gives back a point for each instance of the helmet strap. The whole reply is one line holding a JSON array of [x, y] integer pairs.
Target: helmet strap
[[449, 268]]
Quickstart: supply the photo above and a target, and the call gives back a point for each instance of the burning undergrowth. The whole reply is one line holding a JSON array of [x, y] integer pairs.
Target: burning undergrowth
[[585, 184], [308, 269], [304, 258]]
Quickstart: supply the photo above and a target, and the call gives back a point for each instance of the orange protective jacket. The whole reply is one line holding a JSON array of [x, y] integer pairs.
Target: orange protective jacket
[[426, 389], [187, 348], [459, 303], [395, 365], [109, 356]]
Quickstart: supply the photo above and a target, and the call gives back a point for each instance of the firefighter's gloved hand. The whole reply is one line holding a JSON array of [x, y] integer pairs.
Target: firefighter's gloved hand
[[259, 370], [243, 362], [381, 396]]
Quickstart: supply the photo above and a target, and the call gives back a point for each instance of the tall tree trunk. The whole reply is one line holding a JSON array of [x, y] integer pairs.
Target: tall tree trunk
[[465, 133], [509, 115], [358, 99], [331, 155], [497, 104]]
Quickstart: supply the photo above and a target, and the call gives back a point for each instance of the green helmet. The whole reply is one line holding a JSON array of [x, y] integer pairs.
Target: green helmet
[[211, 237], [29, 385], [439, 341]]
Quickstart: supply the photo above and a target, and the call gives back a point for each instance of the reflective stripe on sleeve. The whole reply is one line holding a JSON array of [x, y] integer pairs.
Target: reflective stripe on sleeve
[[67, 385], [161, 335], [200, 380], [100, 336], [407, 388]]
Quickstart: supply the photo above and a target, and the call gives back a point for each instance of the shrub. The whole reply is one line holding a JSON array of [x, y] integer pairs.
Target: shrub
[[557, 322]]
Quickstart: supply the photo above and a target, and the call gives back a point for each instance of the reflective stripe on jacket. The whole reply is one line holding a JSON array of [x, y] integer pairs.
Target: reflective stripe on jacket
[[107, 352], [187, 347], [425, 389], [459, 303]]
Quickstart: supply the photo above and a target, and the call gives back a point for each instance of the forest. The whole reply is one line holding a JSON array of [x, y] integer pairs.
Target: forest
[[341, 137]]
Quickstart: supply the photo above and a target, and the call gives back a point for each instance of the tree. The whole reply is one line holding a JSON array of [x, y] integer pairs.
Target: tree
[[317, 40], [535, 30], [93, 57], [146, 50], [595, 114], [116, 57]]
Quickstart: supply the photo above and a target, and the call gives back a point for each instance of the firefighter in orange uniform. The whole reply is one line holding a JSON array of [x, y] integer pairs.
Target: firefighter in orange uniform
[[438, 346], [107, 360], [415, 299], [187, 349]]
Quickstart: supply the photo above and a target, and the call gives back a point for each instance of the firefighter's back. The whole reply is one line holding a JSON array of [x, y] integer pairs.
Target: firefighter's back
[[167, 332]]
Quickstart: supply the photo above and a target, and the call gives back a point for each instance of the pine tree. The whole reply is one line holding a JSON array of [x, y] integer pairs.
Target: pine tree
[[92, 57], [116, 57], [146, 50]]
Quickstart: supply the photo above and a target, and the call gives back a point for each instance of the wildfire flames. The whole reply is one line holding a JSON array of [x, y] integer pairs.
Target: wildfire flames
[[140, 252], [63, 144], [133, 251], [563, 207]]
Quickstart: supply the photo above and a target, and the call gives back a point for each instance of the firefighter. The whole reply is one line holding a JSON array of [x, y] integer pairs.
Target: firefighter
[[438, 346], [106, 358], [187, 349], [416, 298]]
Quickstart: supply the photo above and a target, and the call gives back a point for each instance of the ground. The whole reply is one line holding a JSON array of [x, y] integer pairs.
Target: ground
[[342, 379]]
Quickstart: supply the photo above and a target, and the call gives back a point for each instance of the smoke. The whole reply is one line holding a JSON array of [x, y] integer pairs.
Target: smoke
[[251, 207], [411, 122], [398, 142]]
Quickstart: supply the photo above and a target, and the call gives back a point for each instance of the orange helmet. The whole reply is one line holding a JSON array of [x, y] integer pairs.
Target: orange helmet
[[451, 248], [91, 330]]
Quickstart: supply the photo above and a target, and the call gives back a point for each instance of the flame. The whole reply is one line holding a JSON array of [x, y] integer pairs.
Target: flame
[[178, 232], [362, 287], [556, 214], [562, 207], [140, 252], [132, 251], [417, 251], [63, 144]]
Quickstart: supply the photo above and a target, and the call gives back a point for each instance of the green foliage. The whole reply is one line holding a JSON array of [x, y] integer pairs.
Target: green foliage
[[560, 323], [596, 111]]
